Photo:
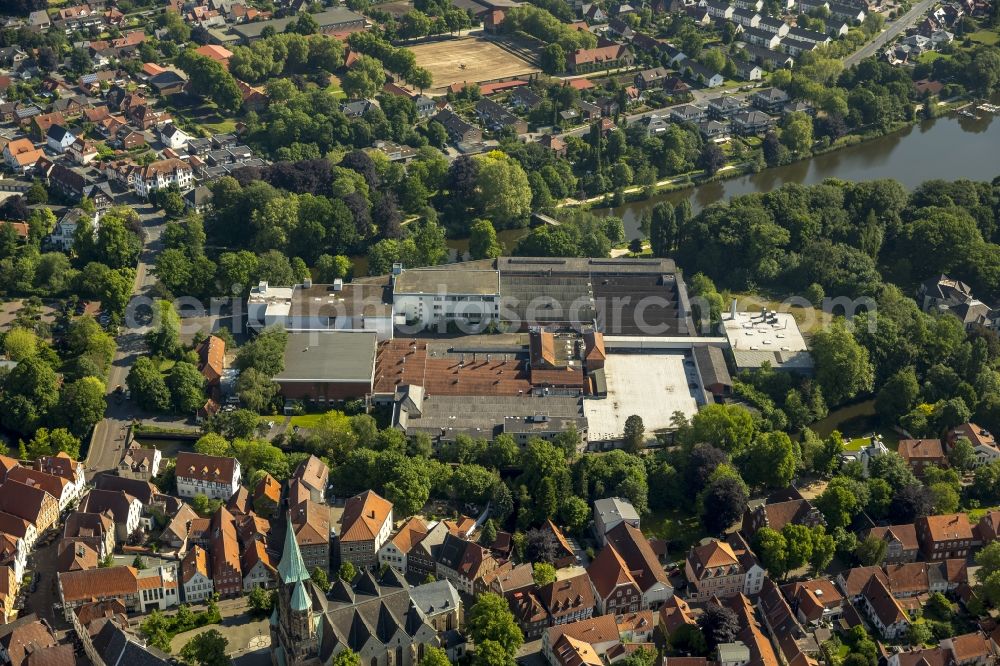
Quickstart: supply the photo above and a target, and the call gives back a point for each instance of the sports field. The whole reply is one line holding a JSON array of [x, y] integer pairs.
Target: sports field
[[468, 60]]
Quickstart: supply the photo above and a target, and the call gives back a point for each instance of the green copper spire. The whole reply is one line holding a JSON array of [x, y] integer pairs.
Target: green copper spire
[[291, 568], [300, 600]]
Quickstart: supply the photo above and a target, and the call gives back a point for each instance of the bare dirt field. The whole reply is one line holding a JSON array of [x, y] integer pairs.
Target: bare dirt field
[[483, 61]]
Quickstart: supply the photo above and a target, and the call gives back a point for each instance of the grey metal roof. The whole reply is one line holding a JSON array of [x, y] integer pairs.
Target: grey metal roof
[[335, 356], [452, 281]]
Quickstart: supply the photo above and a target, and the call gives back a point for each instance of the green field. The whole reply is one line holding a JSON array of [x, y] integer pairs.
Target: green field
[[988, 37]]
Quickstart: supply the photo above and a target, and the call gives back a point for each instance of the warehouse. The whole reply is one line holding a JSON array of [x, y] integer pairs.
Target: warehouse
[[325, 367]]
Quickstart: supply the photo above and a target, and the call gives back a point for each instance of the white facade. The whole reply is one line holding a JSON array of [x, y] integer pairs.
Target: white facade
[[754, 580], [199, 588], [134, 520], [268, 305], [173, 137], [161, 592], [191, 486], [60, 145], [258, 576], [20, 558], [145, 181], [390, 555], [429, 296], [657, 594]]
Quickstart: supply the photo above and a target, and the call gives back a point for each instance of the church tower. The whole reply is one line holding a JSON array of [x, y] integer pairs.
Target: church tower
[[293, 623]]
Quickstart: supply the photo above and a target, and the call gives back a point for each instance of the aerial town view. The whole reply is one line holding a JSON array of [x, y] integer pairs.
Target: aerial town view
[[500, 332]]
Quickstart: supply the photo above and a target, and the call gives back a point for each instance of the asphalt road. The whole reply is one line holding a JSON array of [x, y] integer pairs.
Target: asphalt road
[[109, 435], [916, 13]]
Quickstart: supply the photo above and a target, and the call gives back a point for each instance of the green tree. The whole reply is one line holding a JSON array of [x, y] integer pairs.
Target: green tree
[[838, 505], [490, 619], [799, 545], [491, 653], [870, 551], [503, 190], [483, 240], [663, 229], [823, 549], [918, 634], [261, 601], [897, 396], [962, 455], [543, 573], [29, 391], [797, 132], [728, 427], [434, 656], [206, 649], [553, 59], [347, 572], [81, 405], [843, 369], [346, 657], [164, 338], [147, 386], [187, 388], [20, 343], [770, 461], [635, 434], [772, 549], [364, 79], [321, 579], [212, 444], [256, 390]]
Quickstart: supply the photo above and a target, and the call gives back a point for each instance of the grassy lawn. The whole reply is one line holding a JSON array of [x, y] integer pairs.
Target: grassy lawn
[[302, 420], [194, 113], [334, 87], [930, 56], [808, 319], [975, 515], [856, 423], [988, 37], [679, 530]]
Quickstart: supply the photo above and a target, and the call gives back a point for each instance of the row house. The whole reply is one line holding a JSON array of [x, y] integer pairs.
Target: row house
[[394, 552], [365, 526], [761, 37], [495, 116], [509, 578], [945, 537], [95, 529], [196, 578], [175, 534], [674, 615], [972, 649], [267, 496], [63, 490], [124, 509], [714, 570], [814, 601], [421, 560], [901, 542], [458, 129], [745, 18], [613, 56], [311, 522], [31, 503], [642, 564], [13, 555], [158, 588], [883, 610], [63, 466], [140, 463], [227, 572], [216, 477], [464, 563], [615, 589], [259, 569], [77, 588], [781, 508], [769, 100]]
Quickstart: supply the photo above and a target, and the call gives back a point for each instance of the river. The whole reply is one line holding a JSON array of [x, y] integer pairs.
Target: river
[[950, 148]]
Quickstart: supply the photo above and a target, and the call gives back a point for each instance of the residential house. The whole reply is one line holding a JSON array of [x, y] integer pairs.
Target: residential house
[[674, 614], [176, 533], [699, 73], [216, 477], [27, 641], [161, 175], [95, 529], [458, 129], [724, 107], [608, 57], [496, 117], [922, 453], [509, 578], [901, 542], [779, 509], [77, 588], [69, 183], [311, 523], [883, 610], [314, 476], [365, 525], [908, 580], [198, 199], [227, 571], [769, 100], [567, 600], [580, 643], [621, 29], [464, 563], [751, 122], [609, 513], [140, 463], [173, 137], [761, 38], [852, 582], [972, 649], [748, 71], [196, 579], [713, 570], [32, 504], [63, 490], [615, 589], [944, 537], [426, 106], [59, 139], [82, 151], [394, 551], [643, 565], [528, 612], [212, 359], [754, 573], [21, 155], [267, 496], [982, 440], [814, 601], [422, 558], [124, 509], [259, 569], [525, 98], [688, 113]]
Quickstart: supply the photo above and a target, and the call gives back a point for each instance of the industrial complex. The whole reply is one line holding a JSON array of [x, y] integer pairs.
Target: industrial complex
[[518, 345]]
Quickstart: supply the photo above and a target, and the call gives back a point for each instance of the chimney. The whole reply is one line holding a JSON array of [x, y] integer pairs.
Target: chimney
[[307, 283], [732, 310], [371, 514]]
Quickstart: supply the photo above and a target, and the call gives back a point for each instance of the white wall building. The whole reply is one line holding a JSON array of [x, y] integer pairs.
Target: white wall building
[[429, 296], [216, 477], [321, 307], [161, 175]]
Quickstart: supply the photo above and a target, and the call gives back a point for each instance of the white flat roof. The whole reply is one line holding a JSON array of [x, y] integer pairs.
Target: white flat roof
[[751, 331], [654, 386]]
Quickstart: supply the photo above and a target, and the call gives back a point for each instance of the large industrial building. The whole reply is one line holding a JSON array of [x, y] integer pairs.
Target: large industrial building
[[521, 346]]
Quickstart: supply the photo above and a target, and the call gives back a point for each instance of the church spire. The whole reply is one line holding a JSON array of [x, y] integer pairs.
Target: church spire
[[291, 568]]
